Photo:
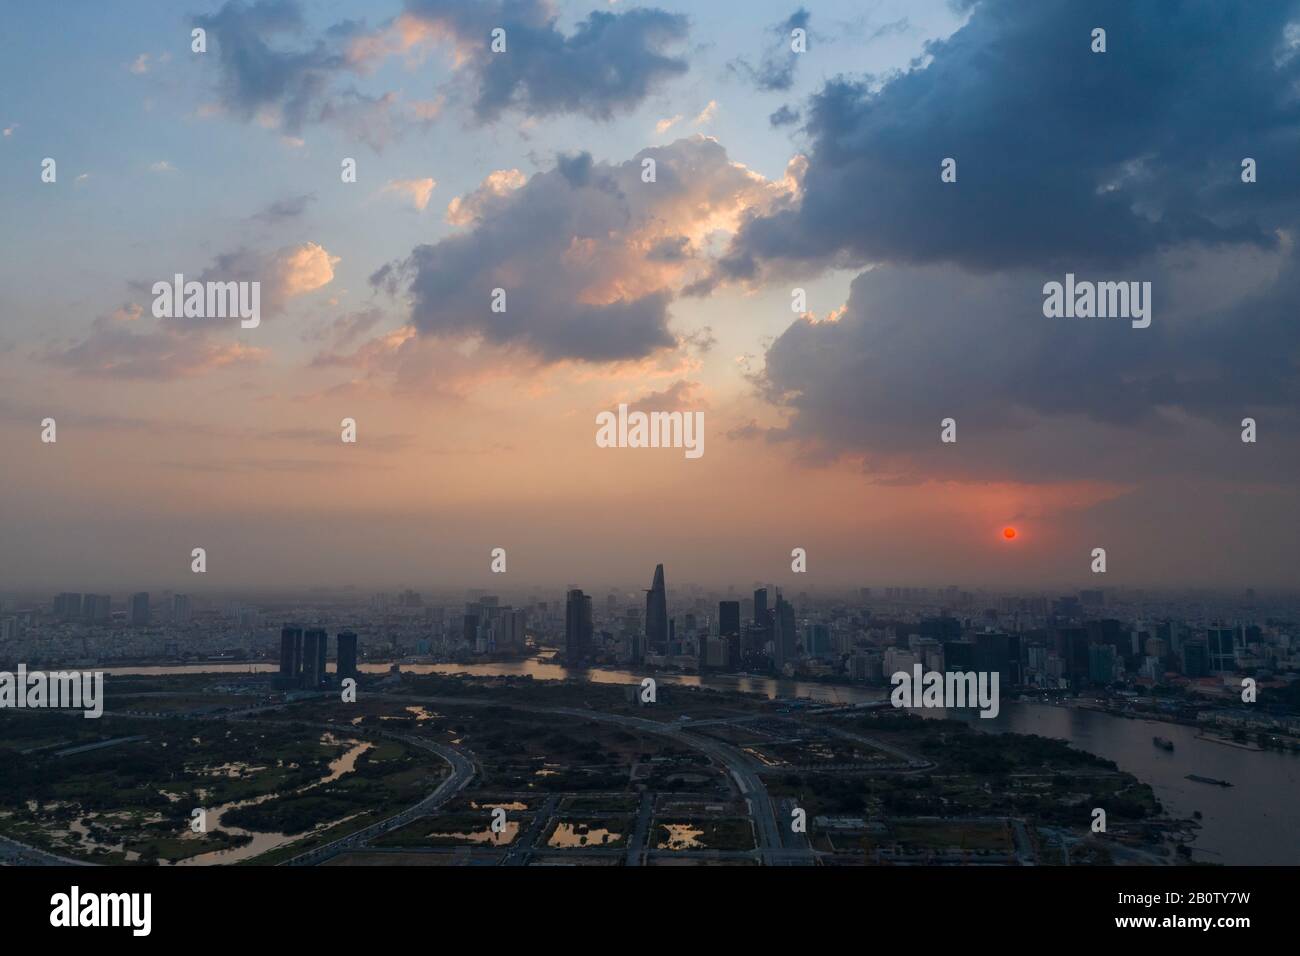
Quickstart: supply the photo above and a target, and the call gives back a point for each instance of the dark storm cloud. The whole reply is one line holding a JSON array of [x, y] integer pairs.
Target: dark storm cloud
[[775, 71], [1124, 165], [255, 76], [1064, 156], [1038, 398], [785, 116], [283, 210], [271, 66], [609, 64]]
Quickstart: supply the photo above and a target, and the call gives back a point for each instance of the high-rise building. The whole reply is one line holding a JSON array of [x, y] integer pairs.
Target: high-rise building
[[784, 637], [97, 608], [1101, 663], [308, 658], [290, 657], [998, 651], [818, 643], [578, 627], [518, 618], [287, 639], [728, 618], [656, 613], [760, 607], [313, 660], [140, 609], [1196, 659], [67, 606], [1072, 650], [347, 665], [958, 656], [897, 660], [940, 628], [1109, 631], [1223, 650], [322, 647], [180, 608], [715, 653]]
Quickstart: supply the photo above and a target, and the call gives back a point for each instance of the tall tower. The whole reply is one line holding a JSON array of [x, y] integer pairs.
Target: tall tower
[[578, 627], [656, 612], [728, 618], [287, 640], [1223, 652], [313, 661], [783, 634], [321, 647], [290, 657], [139, 608], [347, 666]]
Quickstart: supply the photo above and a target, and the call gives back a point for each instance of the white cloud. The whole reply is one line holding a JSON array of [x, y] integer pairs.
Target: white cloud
[[416, 190]]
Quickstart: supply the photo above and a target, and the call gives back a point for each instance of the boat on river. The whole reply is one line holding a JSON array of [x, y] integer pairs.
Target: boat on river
[[1199, 779]]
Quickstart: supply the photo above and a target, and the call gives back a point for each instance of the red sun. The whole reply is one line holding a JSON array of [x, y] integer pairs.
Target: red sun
[[1008, 533]]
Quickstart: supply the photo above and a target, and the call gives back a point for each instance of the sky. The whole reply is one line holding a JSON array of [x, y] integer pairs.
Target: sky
[[775, 171]]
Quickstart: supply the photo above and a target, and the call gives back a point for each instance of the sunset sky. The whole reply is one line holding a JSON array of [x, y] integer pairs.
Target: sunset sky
[[775, 171]]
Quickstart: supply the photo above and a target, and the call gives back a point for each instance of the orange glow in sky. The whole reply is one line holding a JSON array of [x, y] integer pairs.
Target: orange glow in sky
[[1008, 533]]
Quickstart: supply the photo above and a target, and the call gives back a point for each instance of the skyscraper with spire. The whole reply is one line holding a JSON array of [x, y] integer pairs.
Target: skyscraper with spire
[[656, 613]]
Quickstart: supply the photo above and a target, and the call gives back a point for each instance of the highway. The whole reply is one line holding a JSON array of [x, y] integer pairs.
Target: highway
[[462, 772], [771, 848], [636, 848], [521, 849]]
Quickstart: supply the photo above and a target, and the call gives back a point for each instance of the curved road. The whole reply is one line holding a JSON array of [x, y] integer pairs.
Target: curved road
[[770, 845], [462, 772]]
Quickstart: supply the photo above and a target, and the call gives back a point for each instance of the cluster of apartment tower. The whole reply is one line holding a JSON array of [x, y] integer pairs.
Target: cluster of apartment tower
[[303, 653]]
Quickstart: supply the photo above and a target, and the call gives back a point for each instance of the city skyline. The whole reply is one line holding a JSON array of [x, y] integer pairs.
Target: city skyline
[[775, 700]]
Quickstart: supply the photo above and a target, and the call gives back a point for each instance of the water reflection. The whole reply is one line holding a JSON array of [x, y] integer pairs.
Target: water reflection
[[263, 842], [580, 834], [1252, 822], [681, 836]]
